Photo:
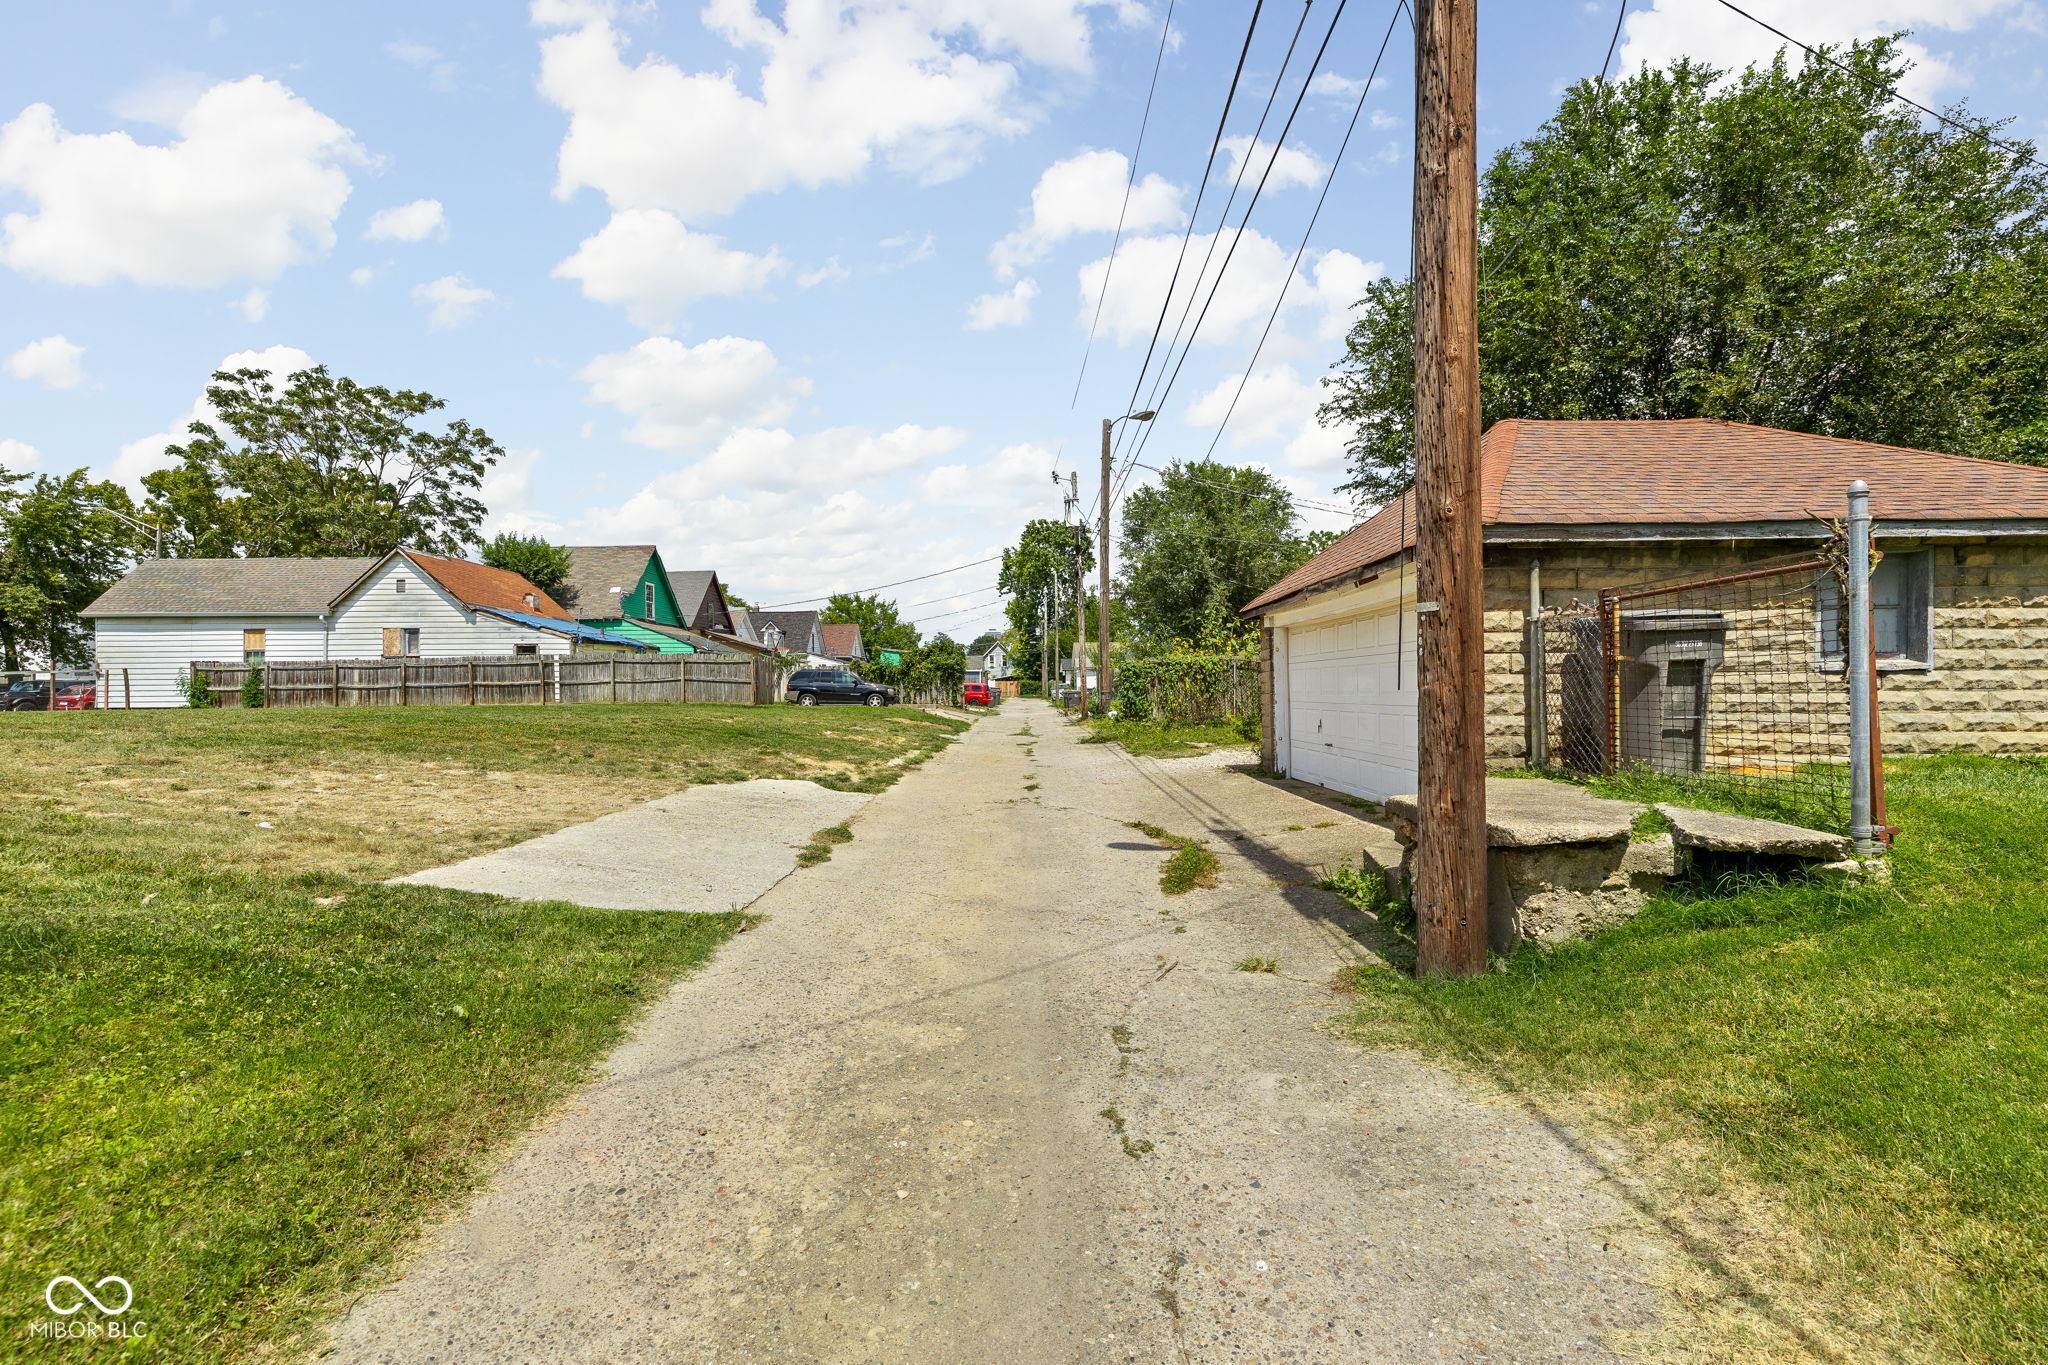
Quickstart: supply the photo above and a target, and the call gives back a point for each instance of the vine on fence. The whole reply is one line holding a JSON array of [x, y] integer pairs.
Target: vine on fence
[[1195, 682]]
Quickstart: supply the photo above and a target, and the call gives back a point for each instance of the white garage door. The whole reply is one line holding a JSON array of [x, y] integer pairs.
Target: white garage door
[[1349, 727]]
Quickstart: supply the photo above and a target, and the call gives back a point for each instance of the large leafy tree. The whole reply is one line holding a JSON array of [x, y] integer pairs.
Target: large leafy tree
[[321, 466], [1038, 578], [540, 563], [1202, 542], [880, 626], [1786, 247], [61, 545]]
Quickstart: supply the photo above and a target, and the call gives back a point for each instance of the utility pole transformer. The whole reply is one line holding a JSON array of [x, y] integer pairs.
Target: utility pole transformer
[[1450, 855]]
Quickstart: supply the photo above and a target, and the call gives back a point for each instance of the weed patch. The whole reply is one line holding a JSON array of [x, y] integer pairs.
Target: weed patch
[[1191, 865], [1258, 964]]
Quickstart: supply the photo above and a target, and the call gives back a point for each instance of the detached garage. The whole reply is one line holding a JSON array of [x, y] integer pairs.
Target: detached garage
[[1570, 508]]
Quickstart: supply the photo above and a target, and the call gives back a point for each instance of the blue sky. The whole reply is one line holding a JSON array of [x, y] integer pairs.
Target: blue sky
[[798, 292]]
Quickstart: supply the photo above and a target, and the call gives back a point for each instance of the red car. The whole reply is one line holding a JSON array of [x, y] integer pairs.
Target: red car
[[978, 694], [75, 697]]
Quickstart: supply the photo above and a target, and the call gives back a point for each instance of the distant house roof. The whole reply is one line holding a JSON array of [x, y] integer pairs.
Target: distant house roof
[[480, 585], [594, 570], [575, 630], [701, 599], [842, 641], [744, 627], [1687, 473], [232, 587], [799, 628], [703, 644]]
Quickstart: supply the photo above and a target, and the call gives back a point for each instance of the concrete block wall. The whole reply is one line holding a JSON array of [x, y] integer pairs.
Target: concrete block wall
[[1987, 692]]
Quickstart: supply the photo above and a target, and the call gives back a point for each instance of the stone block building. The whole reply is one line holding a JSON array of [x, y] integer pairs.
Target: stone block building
[[1571, 508]]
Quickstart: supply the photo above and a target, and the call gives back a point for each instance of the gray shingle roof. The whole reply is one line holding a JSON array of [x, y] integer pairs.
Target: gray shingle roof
[[594, 570], [232, 587], [797, 627]]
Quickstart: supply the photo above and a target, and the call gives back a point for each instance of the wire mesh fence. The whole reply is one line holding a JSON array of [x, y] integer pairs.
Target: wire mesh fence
[[1731, 689]]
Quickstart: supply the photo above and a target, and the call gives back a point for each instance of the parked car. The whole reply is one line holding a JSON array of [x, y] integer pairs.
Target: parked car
[[834, 687], [27, 694], [75, 697], [978, 694]]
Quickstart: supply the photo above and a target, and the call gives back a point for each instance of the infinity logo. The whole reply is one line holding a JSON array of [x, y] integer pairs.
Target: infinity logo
[[50, 1295]]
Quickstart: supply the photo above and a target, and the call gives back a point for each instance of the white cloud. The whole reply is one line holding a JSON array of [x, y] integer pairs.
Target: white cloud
[[1290, 165], [1243, 300], [254, 306], [413, 222], [1339, 281], [441, 73], [1003, 310], [831, 272], [998, 481], [451, 300], [1333, 86], [18, 457], [1277, 406], [251, 186], [918, 85], [146, 455], [680, 396], [507, 490], [54, 362], [1669, 29], [647, 261], [361, 276], [1084, 193], [162, 99]]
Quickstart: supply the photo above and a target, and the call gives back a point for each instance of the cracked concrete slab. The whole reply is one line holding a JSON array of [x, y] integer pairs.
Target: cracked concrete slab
[[976, 1091], [709, 849]]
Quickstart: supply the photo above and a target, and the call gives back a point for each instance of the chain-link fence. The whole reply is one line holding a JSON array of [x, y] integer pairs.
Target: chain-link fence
[[1733, 688]]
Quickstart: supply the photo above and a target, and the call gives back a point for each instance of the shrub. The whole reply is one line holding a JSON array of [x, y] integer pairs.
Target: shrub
[[252, 686], [198, 689]]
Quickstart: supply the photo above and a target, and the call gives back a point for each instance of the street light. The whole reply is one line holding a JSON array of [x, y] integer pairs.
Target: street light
[[1102, 607], [151, 527]]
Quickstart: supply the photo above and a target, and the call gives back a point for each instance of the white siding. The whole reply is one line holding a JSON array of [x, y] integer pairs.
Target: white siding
[[447, 629], [157, 651], [1344, 717]]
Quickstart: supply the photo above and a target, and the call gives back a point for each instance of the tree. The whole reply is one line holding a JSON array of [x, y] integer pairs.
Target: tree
[[60, 547], [880, 627], [1200, 544], [323, 466], [1038, 569], [1787, 247], [737, 602], [541, 564]]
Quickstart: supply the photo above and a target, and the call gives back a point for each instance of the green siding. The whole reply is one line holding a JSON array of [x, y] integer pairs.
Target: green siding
[[632, 630]]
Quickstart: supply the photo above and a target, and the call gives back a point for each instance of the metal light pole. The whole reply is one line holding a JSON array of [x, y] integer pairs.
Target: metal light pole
[[1102, 686], [150, 527]]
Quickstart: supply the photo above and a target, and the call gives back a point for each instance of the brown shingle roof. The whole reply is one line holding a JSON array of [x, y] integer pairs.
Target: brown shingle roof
[[842, 641], [232, 587], [1688, 472], [480, 585], [594, 570]]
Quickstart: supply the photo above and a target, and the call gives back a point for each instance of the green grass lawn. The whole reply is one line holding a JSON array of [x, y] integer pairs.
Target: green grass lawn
[[1162, 740], [1871, 1064], [235, 1068]]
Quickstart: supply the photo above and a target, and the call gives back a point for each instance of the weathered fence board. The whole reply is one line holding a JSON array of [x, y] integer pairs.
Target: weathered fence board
[[499, 680]]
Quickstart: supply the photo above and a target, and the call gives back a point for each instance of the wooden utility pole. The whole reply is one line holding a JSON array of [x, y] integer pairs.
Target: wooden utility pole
[[1102, 689], [1450, 855], [1080, 597]]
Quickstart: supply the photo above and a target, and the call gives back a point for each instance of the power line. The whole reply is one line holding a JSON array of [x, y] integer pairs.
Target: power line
[[1328, 181], [1216, 284], [1129, 181], [2021, 150], [1244, 493], [1208, 167], [826, 597], [993, 601]]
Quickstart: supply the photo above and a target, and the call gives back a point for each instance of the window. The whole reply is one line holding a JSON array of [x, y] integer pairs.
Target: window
[[526, 649], [1901, 613], [253, 646], [401, 642], [647, 601], [398, 584]]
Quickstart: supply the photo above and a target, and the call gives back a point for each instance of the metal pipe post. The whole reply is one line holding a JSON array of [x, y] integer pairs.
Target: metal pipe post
[[1855, 663]]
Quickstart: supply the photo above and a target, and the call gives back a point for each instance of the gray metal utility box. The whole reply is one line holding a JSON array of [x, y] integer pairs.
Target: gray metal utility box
[[1667, 665]]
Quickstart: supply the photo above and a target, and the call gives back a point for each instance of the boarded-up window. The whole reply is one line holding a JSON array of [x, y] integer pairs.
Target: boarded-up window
[[253, 649], [398, 585], [394, 642]]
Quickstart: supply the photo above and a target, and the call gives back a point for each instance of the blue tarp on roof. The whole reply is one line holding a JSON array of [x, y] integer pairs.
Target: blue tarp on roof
[[575, 630]]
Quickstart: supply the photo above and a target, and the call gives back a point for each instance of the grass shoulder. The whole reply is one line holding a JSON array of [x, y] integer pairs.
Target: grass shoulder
[[1158, 739], [1871, 1064]]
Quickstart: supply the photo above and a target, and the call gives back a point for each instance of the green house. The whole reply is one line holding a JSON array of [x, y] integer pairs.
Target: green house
[[624, 589]]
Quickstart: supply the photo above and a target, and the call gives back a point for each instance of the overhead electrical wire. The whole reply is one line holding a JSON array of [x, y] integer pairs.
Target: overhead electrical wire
[[1130, 180], [1328, 181], [1215, 284], [1208, 168], [1211, 483], [826, 597]]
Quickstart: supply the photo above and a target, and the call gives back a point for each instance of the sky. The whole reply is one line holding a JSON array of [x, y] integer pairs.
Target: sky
[[798, 292]]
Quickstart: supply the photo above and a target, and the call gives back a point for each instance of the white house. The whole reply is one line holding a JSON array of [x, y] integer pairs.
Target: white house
[[170, 613], [992, 663]]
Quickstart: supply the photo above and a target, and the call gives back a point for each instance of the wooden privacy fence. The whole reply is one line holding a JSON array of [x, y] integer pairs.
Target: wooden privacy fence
[[499, 680]]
